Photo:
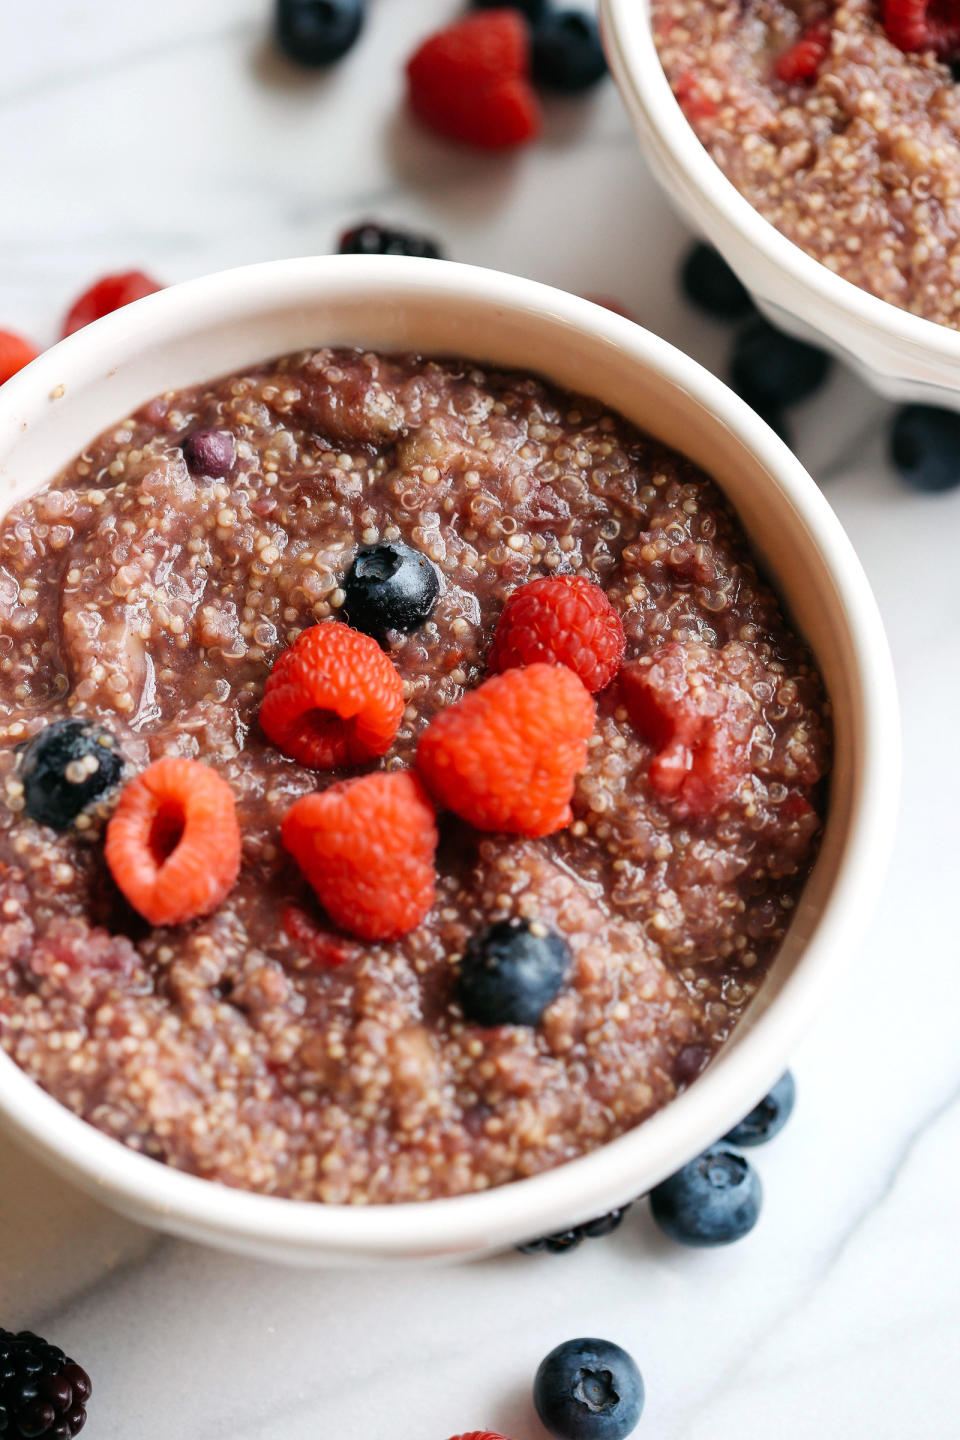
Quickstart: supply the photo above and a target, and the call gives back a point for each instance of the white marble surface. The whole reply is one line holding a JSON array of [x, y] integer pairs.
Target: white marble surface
[[169, 136]]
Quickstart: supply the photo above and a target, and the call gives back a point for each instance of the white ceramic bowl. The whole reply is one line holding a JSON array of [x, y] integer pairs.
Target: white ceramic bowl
[[896, 353], [212, 326]]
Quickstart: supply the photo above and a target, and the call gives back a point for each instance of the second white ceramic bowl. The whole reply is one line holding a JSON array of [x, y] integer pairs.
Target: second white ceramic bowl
[[212, 326], [898, 354]]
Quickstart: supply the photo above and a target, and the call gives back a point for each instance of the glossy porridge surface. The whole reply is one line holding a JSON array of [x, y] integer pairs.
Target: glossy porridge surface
[[153, 602]]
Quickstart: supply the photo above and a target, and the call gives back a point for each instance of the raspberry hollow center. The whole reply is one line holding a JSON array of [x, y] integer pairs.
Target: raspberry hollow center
[[166, 831]]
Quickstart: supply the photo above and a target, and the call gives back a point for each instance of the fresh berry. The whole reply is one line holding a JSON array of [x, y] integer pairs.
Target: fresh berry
[[700, 726], [915, 25], [15, 353], [569, 1239], [390, 587], [589, 1390], [505, 756], [322, 948], [210, 453], [770, 368], [710, 284], [173, 842], [373, 239], [801, 63], [567, 52], [510, 973], [560, 620], [110, 293], [64, 768], [533, 10], [925, 447], [333, 698], [480, 1435], [367, 848], [471, 82], [769, 1117], [318, 32], [694, 100], [714, 1200], [43, 1395]]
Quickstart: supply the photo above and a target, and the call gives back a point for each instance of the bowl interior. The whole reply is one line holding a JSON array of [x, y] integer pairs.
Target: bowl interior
[[208, 328]]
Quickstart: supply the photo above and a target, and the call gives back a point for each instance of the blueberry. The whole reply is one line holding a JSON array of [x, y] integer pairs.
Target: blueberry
[[317, 32], [589, 1390], [511, 972], [710, 284], [772, 369], [64, 768], [210, 453], [390, 587], [567, 52], [373, 239], [712, 1201], [769, 1117], [925, 447], [570, 1239], [534, 10]]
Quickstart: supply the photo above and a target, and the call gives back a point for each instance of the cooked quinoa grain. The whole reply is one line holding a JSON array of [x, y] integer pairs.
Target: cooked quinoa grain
[[154, 602], [860, 167]]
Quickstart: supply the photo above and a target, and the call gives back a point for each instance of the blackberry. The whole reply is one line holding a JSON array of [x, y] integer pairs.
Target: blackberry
[[43, 1394], [64, 768], [570, 1239]]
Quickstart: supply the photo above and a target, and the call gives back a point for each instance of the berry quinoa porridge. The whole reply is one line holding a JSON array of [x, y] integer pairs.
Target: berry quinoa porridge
[[840, 125], [405, 778]]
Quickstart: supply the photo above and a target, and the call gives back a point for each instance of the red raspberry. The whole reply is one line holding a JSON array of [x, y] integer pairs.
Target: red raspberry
[[923, 25], [173, 842], [505, 757], [471, 82], [367, 848], [333, 698], [698, 724], [801, 63], [15, 352], [693, 100], [560, 620], [110, 293], [324, 949], [480, 1435]]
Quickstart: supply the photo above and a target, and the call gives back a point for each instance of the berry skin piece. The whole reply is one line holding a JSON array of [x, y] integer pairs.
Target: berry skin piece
[[110, 293], [373, 239], [710, 284], [505, 756], [318, 32], [390, 587], [569, 1239], [560, 620], [915, 25], [589, 1390], [471, 82], [511, 972], [567, 52], [768, 1118], [211, 454], [43, 1395], [173, 842], [367, 848], [770, 369], [15, 353], [800, 65], [925, 447], [64, 768], [332, 699], [326, 950], [714, 1200], [675, 700]]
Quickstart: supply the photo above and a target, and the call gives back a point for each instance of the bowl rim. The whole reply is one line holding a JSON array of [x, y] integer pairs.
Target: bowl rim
[[636, 64], [484, 1221]]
